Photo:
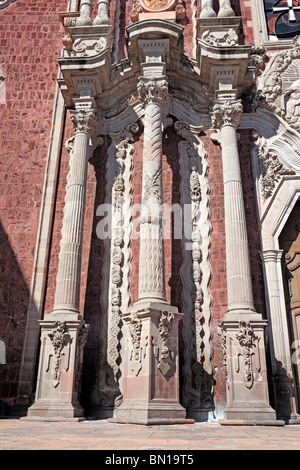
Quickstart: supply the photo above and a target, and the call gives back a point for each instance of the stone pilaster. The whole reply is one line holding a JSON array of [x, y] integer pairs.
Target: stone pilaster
[[86, 8], [207, 10], [64, 331], [242, 327]]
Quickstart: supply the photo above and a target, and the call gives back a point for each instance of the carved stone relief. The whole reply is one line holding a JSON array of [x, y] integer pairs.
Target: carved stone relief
[[5, 3], [197, 394], [117, 256], [271, 169]]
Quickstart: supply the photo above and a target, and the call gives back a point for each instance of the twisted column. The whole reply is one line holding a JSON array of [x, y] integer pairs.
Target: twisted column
[[153, 94], [69, 268], [226, 117]]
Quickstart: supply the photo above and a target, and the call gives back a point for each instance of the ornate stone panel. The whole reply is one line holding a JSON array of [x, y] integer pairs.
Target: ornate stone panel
[[279, 85]]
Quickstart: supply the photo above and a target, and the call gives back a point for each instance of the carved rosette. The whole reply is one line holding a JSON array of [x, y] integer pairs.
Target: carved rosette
[[59, 337], [227, 113]]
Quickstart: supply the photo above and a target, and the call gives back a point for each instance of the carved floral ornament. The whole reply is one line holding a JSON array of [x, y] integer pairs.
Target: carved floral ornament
[[157, 6], [280, 85]]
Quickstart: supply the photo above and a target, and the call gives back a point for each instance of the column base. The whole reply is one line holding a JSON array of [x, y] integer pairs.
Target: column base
[[248, 414], [150, 414], [44, 410]]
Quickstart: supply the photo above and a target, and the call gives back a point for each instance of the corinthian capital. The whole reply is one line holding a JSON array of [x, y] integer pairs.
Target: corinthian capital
[[152, 90], [227, 113], [84, 121]]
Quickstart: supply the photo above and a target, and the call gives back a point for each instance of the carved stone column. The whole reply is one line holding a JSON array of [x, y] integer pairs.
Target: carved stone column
[[282, 374], [103, 13], [64, 330], [242, 327], [207, 10], [151, 381]]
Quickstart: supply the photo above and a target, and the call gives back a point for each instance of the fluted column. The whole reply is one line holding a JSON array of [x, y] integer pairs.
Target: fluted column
[[86, 8], [239, 285], [242, 327], [225, 9], [152, 93], [69, 268], [102, 13], [207, 10]]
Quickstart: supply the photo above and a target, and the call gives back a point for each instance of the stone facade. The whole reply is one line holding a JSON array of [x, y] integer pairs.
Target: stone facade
[[149, 167]]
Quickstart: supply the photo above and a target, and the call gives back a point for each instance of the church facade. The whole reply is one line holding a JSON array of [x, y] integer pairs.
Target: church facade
[[150, 214]]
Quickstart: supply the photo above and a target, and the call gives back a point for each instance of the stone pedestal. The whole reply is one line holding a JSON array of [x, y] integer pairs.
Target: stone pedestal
[[246, 373], [58, 385], [151, 382]]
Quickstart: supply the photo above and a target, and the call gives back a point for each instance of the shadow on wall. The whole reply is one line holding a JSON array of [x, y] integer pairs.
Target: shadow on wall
[[14, 298]]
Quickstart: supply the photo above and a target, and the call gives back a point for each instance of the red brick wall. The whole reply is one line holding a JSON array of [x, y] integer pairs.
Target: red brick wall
[[29, 47]]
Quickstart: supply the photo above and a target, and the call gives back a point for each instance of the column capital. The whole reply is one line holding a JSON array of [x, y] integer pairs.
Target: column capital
[[84, 121], [227, 113], [153, 90]]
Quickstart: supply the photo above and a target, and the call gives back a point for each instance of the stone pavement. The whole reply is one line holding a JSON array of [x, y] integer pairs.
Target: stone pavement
[[17, 434]]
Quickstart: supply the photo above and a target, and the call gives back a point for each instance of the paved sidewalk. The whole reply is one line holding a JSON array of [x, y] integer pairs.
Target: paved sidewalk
[[17, 434]]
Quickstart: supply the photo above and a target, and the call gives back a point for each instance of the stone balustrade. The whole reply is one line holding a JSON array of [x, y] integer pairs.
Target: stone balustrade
[[225, 9]]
